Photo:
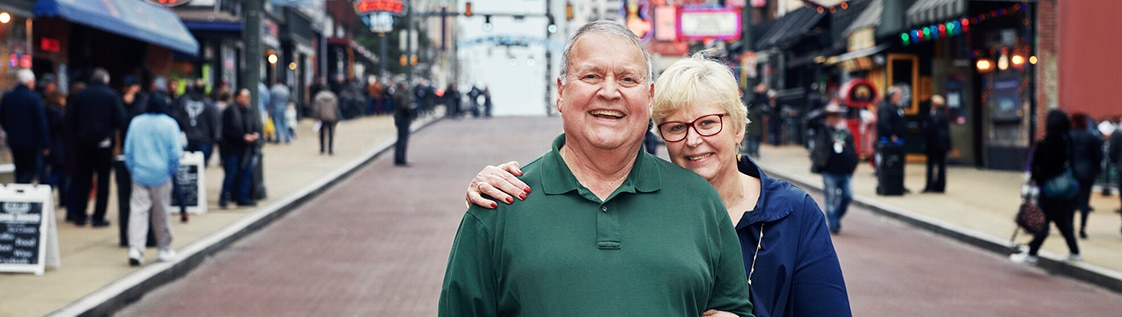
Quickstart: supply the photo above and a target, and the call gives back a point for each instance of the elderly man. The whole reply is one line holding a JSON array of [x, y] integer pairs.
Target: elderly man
[[25, 121], [616, 231], [94, 117]]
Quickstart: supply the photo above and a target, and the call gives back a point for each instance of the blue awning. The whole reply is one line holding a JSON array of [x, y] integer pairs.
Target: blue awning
[[132, 18]]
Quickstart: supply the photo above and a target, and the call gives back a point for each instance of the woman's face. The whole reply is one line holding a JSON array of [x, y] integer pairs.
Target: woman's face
[[711, 156]]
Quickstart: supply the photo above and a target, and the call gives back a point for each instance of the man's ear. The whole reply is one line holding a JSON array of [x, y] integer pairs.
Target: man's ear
[[560, 94]]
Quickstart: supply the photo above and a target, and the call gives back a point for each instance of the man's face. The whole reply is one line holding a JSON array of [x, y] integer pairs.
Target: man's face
[[896, 98], [605, 99], [243, 98]]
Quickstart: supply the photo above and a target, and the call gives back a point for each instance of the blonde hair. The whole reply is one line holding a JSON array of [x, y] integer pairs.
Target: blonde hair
[[695, 81]]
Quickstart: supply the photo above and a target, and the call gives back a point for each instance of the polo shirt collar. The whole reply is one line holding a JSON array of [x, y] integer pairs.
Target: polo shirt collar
[[557, 178]]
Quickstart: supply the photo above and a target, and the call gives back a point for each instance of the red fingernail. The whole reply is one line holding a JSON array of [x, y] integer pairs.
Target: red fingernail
[[509, 200], [494, 205], [522, 197], [528, 190]]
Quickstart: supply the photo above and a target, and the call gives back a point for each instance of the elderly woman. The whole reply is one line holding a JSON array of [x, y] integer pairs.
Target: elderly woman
[[783, 233]]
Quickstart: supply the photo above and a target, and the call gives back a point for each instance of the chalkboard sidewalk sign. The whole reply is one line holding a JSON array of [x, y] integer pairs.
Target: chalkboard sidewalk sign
[[191, 179], [28, 232]]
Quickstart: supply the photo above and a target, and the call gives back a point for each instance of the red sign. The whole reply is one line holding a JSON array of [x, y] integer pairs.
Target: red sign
[[371, 6], [49, 44]]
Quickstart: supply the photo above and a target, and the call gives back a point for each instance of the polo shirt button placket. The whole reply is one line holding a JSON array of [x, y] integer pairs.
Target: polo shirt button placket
[[604, 208]]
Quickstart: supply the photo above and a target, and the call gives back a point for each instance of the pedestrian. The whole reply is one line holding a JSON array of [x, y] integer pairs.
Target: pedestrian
[[278, 102], [1114, 151], [1051, 155], [290, 119], [754, 133], [240, 133], [23, 117], [152, 151], [94, 118], [402, 118], [452, 100], [487, 102], [937, 142], [326, 110], [1086, 163], [133, 97], [891, 127], [774, 118], [199, 119], [696, 107], [664, 243], [835, 157], [473, 96], [55, 160]]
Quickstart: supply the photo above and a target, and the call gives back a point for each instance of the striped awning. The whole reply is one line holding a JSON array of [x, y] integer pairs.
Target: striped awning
[[925, 12]]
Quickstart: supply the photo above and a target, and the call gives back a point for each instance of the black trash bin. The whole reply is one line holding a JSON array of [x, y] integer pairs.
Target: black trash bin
[[124, 191], [890, 169]]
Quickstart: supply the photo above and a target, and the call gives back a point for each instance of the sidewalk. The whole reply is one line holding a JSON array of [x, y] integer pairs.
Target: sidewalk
[[95, 275], [977, 208]]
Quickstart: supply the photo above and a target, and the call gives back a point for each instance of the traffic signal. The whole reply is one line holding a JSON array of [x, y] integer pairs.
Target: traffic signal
[[568, 11], [467, 10]]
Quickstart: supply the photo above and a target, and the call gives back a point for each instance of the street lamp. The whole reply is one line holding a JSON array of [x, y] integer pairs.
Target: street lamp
[[487, 23]]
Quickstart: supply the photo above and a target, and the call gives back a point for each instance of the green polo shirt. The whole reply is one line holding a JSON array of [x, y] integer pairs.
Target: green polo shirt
[[662, 244]]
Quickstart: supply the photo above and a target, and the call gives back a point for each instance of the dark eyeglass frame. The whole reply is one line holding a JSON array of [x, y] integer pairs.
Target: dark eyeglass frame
[[691, 124]]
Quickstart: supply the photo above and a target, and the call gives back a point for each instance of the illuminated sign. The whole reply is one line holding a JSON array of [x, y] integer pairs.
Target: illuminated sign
[[49, 44], [169, 3], [707, 23], [371, 6]]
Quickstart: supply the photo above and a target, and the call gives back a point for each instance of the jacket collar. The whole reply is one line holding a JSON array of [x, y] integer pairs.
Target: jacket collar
[[771, 191]]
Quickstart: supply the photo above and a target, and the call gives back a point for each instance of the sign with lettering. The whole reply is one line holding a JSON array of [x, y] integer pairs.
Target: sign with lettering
[[28, 234], [191, 180]]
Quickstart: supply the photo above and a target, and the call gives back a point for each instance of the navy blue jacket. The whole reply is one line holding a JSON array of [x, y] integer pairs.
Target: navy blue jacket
[[24, 120], [797, 272]]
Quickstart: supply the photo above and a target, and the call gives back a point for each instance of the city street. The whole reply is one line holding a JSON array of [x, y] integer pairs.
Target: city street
[[376, 244]]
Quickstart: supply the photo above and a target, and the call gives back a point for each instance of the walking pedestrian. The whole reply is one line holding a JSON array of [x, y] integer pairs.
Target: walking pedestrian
[[239, 137], [664, 247], [24, 120], [1114, 150], [1086, 163], [1051, 156], [326, 110], [278, 102], [94, 116], [937, 140], [402, 118], [779, 226], [152, 151], [835, 157], [55, 160]]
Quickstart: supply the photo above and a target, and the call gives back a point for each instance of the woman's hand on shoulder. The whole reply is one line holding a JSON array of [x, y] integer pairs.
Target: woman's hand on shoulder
[[497, 182]]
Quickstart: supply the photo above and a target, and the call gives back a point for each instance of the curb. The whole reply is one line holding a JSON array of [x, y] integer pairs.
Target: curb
[[1050, 262], [131, 288]]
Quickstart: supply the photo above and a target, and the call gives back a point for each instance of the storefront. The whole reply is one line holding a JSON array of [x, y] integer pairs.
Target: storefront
[[980, 55], [15, 41], [76, 37], [219, 33]]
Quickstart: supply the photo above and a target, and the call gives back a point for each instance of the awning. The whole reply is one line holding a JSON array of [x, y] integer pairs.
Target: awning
[[791, 26], [135, 19], [209, 20], [856, 54], [925, 12], [870, 18]]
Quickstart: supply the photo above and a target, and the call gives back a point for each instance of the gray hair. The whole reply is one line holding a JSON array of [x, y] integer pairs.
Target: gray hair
[[25, 75], [100, 75], [609, 27]]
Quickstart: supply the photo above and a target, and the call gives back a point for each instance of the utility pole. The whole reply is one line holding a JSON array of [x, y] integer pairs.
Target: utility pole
[[251, 36], [746, 31]]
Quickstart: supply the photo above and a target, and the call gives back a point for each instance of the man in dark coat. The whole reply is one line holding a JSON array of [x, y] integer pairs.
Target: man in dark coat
[[24, 120], [937, 137], [891, 124], [402, 118], [835, 157], [199, 119], [240, 133], [94, 117]]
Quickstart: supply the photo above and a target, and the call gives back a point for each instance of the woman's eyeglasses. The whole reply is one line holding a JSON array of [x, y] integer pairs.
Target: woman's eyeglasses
[[707, 125]]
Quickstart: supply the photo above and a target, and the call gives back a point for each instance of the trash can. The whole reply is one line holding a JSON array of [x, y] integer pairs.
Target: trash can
[[890, 168], [124, 192]]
